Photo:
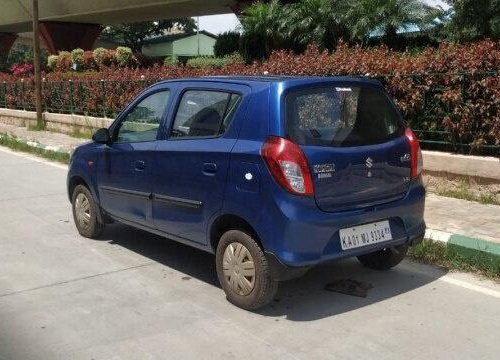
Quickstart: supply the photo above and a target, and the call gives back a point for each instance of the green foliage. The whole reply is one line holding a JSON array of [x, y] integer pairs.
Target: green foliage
[[387, 16], [322, 22], [204, 62], [474, 19], [133, 34], [99, 55], [124, 56], [88, 60], [294, 26], [263, 29], [52, 62], [19, 145], [455, 257], [227, 43], [21, 53], [170, 61], [104, 57], [77, 56]]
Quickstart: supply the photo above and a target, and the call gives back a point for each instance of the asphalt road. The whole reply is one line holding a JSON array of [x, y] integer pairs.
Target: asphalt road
[[132, 295]]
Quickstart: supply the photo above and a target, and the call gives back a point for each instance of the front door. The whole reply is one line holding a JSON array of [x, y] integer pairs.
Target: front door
[[192, 162], [124, 173]]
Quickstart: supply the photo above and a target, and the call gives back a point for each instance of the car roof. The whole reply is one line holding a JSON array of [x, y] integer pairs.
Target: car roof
[[273, 79]]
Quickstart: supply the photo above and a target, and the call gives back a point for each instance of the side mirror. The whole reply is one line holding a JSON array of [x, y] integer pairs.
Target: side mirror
[[102, 136]]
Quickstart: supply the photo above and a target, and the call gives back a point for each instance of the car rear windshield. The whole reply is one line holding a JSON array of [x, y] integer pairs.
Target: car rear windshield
[[341, 116]]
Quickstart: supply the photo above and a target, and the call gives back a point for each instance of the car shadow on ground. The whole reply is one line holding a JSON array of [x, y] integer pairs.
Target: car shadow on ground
[[303, 299]]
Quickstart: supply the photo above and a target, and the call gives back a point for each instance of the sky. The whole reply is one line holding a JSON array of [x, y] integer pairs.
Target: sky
[[217, 24]]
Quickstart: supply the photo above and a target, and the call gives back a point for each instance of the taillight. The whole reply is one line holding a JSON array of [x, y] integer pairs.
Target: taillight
[[288, 165], [415, 153]]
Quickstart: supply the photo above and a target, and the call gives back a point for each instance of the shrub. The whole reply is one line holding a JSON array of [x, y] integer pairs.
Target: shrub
[[202, 62], [64, 61], [52, 62], [88, 61], [124, 56], [170, 61], [22, 69], [207, 62], [227, 43], [454, 88], [233, 59], [77, 57], [100, 56], [104, 57]]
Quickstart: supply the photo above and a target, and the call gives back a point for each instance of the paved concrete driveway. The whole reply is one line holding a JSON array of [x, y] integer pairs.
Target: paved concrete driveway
[[132, 295]]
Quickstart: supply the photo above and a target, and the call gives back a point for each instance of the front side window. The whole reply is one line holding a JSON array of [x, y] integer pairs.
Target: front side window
[[143, 121], [341, 116], [204, 113]]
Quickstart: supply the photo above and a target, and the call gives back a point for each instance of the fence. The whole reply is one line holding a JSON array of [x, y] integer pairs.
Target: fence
[[438, 106]]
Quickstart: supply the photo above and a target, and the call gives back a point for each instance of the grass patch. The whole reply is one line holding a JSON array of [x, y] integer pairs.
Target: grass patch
[[18, 145], [457, 258], [37, 127], [464, 191], [81, 134]]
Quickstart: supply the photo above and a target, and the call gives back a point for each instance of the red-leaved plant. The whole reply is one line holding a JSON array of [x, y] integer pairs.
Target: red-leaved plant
[[453, 89]]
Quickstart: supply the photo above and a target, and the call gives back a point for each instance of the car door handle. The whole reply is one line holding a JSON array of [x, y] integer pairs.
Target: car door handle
[[209, 168], [140, 165]]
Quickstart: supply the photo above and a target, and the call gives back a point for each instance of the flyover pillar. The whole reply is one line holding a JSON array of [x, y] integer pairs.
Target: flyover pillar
[[59, 36], [6, 42]]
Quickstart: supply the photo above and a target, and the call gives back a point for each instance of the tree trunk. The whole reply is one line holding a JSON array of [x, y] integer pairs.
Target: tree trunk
[[391, 36]]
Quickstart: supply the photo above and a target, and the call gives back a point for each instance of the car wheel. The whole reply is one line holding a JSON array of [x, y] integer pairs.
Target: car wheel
[[85, 213], [384, 259], [243, 271]]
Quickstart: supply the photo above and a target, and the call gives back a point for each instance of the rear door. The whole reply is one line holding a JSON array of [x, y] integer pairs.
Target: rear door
[[192, 161], [353, 138]]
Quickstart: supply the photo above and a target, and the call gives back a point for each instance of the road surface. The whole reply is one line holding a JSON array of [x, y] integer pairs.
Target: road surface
[[131, 295]]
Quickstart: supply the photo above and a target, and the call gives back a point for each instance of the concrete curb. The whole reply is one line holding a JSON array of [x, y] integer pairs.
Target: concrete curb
[[35, 144], [469, 244]]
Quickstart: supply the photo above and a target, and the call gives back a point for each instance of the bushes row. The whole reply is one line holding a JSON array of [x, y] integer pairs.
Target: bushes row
[[81, 60], [206, 62], [453, 89]]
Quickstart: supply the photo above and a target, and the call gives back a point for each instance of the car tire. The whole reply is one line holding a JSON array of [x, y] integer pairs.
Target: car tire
[[384, 259], [246, 286], [85, 213]]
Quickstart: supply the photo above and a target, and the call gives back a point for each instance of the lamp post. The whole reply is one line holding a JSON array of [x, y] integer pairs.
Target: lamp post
[[198, 33], [36, 63]]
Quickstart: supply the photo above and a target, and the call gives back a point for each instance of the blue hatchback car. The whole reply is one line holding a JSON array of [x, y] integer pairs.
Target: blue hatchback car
[[272, 174]]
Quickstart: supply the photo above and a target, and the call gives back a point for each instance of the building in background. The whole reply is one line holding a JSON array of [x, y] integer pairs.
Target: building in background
[[180, 46]]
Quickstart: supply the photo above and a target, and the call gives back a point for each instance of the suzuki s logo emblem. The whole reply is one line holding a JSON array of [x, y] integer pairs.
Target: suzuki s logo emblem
[[369, 162]]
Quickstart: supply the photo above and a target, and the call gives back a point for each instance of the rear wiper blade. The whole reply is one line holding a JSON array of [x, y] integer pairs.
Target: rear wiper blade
[[315, 133]]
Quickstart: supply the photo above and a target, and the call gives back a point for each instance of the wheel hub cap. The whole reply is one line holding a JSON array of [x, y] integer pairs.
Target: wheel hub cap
[[82, 210], [239, 269]]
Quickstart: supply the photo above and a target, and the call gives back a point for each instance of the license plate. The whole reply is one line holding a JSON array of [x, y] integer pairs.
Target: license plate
[[363, 235]]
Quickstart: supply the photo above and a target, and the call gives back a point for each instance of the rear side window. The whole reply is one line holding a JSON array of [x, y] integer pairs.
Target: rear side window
[[341, 116], [203, 113]]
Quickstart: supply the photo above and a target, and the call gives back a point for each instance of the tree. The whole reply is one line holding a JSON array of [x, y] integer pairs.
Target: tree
[[263, 29], [474, 20], [134, 34], [227, 43], [387, 16], [317, 21], [20, 53]]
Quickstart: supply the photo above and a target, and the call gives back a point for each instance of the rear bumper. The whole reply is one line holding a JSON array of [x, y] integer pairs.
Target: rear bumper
[[282, 272], [301, 236]]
